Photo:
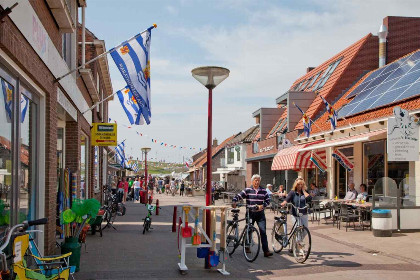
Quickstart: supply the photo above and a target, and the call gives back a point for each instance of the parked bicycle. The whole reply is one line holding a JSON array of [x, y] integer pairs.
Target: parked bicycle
[[299, 237], [249, 237], [147, 224], [44, 268], [113, 208]]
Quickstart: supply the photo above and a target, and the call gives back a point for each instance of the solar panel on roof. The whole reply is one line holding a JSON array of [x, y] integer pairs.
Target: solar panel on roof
[[392, 83]]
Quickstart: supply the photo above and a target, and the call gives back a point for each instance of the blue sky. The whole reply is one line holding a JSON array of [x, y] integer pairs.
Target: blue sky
[[265, 44]]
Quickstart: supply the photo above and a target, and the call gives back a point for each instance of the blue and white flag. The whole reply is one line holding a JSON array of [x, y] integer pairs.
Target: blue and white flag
[[133, 61], [332, 115], [7, 90], [132, 108], [306, 122], [120, 154], [24, 104]]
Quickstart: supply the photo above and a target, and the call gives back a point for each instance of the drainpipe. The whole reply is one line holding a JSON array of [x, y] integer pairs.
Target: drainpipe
[[83, 38], [382, 34]]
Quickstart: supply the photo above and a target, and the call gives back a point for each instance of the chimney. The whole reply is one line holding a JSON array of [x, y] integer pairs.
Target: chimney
[[214, 142], [382, 34], [309, 69]]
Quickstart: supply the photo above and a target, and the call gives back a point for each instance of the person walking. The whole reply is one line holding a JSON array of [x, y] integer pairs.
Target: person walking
[[299, 197], [123, 189], [181, 190], [256, 196], [136, 185]]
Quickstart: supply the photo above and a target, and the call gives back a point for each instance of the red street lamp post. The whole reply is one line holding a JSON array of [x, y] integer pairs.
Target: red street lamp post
[[210, 77], [145, 151]]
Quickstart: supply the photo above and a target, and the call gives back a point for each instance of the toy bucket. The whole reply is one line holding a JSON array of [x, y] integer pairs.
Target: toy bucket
[[202, 252], [213, 259]]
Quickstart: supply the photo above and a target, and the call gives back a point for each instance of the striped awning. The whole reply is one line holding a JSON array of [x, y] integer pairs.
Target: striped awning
[[293, 158]]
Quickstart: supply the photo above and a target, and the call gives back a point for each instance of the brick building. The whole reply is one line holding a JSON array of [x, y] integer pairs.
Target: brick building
[[377, 85], [38, 44]]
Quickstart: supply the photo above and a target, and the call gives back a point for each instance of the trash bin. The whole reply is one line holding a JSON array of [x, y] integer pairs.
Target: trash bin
[[71, 244], [382, 223]]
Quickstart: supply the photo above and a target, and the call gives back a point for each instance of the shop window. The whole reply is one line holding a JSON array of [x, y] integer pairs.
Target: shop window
[[373, 162], [84, 167], [6, 140], [255, 147], [27, 191], [238, 153], [230, 155], [25, 207]]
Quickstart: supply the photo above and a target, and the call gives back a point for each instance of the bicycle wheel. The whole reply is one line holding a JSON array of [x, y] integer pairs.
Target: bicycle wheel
[[232, 232], [251, 243], [145, 227], [301, 244], [277, 235]]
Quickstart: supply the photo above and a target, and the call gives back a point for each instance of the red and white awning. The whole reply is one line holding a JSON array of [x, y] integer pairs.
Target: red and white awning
[[293, 158]]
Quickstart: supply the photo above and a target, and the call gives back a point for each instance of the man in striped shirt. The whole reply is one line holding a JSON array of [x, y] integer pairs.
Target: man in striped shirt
[[258, 196]]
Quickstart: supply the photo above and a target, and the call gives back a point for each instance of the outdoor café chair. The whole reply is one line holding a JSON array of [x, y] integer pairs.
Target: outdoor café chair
[[336, 213], [347, 216]]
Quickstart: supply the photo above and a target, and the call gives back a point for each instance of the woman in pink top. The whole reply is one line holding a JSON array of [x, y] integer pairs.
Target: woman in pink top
[[123, 188]]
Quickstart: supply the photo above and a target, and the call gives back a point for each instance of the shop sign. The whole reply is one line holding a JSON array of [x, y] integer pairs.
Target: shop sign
[[104, 134], [266, 149], [39, 38], [67, 106], [403, 134]]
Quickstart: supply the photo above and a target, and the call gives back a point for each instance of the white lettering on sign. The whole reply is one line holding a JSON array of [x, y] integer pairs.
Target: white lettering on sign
[[266, 149], [403, 133]]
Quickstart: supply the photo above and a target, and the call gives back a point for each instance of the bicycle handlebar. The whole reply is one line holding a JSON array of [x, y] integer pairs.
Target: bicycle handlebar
[[42, 221], [21, 227]]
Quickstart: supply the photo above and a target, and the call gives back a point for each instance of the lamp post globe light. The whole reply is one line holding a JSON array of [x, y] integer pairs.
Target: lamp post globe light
[[145, 150], [210, 77]]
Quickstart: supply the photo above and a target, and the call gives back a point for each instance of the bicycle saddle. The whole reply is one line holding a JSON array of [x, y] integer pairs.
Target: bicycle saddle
[[235, 210], [284, 212]]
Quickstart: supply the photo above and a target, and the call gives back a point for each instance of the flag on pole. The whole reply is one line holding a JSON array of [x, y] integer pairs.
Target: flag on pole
[[306, 122], [316, 159], [332, 114], [120, 153], [130, 106], [342, 159], [133, 61]]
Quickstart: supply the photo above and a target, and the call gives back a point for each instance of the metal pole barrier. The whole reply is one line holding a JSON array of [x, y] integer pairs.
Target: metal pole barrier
[[174, 220]]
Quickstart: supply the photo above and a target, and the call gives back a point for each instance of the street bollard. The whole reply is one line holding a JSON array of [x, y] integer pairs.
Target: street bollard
[[174, 220], [157, 207]]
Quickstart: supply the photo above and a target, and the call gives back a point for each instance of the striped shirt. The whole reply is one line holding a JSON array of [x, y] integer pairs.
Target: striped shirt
[[254, 197]]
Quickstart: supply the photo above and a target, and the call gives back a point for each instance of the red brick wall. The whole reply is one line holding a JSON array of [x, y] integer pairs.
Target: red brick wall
[[16, 46], [403, 36]]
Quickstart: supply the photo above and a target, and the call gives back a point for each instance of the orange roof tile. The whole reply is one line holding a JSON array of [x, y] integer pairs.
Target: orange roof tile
[[328, 89]]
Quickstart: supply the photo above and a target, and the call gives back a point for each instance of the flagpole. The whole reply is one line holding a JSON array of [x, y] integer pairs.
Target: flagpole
[[104, 54], [102, 101]]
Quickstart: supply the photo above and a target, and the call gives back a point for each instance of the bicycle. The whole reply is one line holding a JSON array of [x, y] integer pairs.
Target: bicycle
[[49, 267], [147, 224], [249, 237], [299, 237]]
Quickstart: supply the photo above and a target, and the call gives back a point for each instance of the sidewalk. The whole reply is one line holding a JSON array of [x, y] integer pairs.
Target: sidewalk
[[128, 254]]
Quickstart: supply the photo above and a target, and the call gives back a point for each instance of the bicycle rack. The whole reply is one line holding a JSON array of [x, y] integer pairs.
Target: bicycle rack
[[186, 242]]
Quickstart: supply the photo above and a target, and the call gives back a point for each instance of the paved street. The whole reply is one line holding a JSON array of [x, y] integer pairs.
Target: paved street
[[128, 254]]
